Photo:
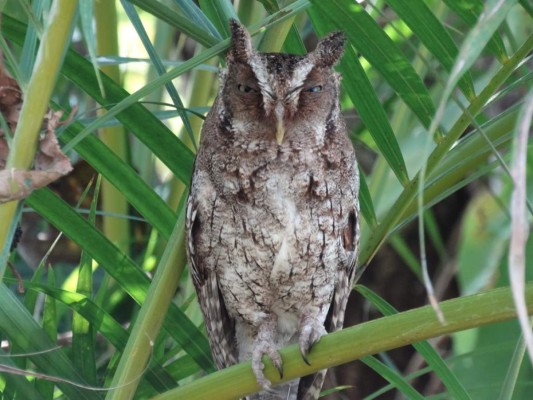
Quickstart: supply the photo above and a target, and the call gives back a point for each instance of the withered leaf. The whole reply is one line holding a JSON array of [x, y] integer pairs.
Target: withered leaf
[[50, 164]]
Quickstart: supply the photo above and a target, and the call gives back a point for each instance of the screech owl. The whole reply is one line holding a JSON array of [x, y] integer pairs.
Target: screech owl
[[273, 214]]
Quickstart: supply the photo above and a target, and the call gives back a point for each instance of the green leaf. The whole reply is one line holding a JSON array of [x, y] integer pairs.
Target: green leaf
[[483, 233], [404, 251], [139, 347], [131, 278], [29, 49], [195, 14], [152, 132], [527, 6], [393, 377], [141, 196], [182, 368], [405, 201], [197, 27], [469, 11], [417, 15], [273, 39], [83, 331], [5, 249], [86, 18], [20, 327], [14, 382], [141, 122], [365, 100], [466, 162], [380, 51], [365, 200], [431, 356], [158, 65], [219, 12], [471, 48], [110, 329], [45, 387], [511, 381], [292, 42]]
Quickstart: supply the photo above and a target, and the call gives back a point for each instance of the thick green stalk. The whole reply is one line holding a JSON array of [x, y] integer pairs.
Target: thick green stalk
[[49, 58], [139, 348], [113, 201], [376, 237], [359, 341]]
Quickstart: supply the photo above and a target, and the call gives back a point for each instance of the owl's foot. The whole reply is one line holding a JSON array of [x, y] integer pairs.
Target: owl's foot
[[264, 345], [311, 330], [257, 364]]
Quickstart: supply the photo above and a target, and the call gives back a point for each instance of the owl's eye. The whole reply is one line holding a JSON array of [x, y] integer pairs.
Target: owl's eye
[[314, 89], [246, 89]]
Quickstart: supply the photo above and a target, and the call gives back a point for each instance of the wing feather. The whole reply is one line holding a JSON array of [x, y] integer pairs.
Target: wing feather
[[219, 325]]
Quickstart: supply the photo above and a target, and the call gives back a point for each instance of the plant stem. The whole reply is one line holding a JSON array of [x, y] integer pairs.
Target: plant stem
[[359, 341], [133, 361], [113, 201], [49, 58]]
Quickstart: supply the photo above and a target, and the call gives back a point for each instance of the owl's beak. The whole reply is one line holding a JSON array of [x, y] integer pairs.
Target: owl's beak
[[280, 128]]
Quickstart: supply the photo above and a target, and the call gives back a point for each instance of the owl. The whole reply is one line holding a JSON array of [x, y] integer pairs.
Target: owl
[[273, 214]]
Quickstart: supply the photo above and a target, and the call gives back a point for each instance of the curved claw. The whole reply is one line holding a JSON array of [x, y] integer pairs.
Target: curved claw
[[311, 331], [304, 356], [278, 364], [258, 366], [268, 349]]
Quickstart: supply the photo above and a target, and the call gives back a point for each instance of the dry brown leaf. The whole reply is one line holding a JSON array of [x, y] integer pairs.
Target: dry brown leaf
[[10, 104], [50, 162], [10, 96]]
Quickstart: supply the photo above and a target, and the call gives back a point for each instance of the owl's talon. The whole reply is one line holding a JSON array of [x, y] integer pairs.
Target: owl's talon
[[268, 349], [311, 330], [280, 370]]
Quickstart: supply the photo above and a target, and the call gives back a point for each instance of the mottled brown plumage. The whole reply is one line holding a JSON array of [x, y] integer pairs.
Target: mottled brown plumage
[[272, 217]]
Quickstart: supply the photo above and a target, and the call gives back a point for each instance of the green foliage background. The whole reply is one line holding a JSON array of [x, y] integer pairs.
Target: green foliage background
[[443, 92]]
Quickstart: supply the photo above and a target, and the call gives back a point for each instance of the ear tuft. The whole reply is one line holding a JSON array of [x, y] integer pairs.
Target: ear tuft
[[241, 43], [329, 50]]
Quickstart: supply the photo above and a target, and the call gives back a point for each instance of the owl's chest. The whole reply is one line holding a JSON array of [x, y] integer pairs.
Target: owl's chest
[[267, 178], [280, 207], [277, 244], [273, 229]]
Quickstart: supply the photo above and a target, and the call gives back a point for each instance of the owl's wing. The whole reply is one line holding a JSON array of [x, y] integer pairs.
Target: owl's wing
[[219, 325], [310, 386], [345, 277]]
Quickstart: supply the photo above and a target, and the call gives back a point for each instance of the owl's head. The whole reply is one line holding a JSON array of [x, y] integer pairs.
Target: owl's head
[[281, 97]]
